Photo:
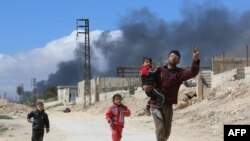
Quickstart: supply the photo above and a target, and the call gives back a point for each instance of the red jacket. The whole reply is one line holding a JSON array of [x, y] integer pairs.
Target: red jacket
[[145, 70], [169, 80], [148, 75], [116, 113]]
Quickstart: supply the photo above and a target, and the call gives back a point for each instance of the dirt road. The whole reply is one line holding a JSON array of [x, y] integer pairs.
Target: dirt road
[[71, 127], [77, 127]]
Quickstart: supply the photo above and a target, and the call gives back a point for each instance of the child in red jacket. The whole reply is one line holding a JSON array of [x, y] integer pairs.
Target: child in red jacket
[[115, 117]]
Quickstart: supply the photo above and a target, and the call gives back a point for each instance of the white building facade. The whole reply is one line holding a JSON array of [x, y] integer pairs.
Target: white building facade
[[67, 94]]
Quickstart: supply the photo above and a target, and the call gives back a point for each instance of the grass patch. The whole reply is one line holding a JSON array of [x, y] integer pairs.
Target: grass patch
[[5, 117], [2, 129]]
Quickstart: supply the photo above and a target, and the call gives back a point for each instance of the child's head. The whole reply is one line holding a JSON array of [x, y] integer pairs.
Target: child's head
[[39, 106], [147, 61], [117, 99]]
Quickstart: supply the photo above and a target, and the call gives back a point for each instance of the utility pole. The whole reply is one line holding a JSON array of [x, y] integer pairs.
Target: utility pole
[[223, 62], [247, 55], [82, 27], [4, 95], [34, 85]]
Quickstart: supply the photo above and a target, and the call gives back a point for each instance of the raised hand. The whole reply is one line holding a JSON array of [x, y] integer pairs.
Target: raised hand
[[195, 54]]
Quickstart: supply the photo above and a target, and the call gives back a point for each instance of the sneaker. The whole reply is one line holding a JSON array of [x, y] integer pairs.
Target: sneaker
[[157, 112], [147, 111]]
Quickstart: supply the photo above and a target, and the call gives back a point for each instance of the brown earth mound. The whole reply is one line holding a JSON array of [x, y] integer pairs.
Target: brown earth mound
[[13, 109]]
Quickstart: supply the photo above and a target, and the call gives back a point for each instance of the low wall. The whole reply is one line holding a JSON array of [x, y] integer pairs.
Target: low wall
[[220, 79], [102, 96], [50, 99], [247, 72], [53, 103]]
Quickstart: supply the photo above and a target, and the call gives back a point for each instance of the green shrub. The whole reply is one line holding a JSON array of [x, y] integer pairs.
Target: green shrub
[[131, 90], [5, 117], [2, 129]]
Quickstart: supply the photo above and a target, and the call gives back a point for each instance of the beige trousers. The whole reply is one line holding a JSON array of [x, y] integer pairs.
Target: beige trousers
[[163, 127]]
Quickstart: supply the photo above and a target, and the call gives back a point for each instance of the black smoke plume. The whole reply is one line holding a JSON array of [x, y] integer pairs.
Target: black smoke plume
[[213, 29]]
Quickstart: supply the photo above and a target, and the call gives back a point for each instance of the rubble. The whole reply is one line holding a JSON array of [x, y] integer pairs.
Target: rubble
[[13, 109]]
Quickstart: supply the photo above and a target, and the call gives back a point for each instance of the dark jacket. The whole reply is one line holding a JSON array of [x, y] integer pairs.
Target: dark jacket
[[40, 119], [169, 80], [148, 75]]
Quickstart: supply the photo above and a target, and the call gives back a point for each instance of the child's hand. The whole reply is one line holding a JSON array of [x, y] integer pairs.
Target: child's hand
[[47, 130], [111, 122], [147, 88], [29, 121]]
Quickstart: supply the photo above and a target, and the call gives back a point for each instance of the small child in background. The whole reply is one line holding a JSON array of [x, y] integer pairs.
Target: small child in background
[[39, 120], [148, 78], [115, 117]]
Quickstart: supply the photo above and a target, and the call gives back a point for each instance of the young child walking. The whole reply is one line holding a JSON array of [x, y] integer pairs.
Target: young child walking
[[148, 78], [115, 117], [39, 120]]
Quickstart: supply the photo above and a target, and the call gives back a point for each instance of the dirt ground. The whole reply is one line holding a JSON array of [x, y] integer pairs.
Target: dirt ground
[[80, 126], [90, 125]]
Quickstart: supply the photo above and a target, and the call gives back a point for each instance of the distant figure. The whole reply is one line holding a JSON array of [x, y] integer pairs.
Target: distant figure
[[115, 117], [169, 79], [39, 120], [148, 78], [69, 97]]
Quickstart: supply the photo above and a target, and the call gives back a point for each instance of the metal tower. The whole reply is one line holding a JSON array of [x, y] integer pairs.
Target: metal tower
[[82, 28], [34, 87]]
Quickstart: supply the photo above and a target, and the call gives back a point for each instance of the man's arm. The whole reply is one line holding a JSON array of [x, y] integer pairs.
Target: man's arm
[[187, 74], [155, 71]]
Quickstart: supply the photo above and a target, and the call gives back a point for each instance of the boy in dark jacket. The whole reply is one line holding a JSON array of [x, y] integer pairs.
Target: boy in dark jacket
[[115, 117], [148, 78], [39, 120]]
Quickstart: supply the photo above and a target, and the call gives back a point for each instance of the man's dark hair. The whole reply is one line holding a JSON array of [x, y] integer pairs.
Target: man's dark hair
[[176, 52], [116, 96], [147, 58]]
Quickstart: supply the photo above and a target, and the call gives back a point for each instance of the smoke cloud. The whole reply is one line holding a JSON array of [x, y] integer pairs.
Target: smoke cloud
[[214, 29]]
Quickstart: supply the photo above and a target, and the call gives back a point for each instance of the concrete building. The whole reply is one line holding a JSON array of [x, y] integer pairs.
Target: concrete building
[[67, 94], [106, 84], [222, 64]]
